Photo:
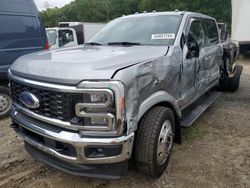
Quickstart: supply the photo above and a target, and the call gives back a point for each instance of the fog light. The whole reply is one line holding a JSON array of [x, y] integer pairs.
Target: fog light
[[102, 151]]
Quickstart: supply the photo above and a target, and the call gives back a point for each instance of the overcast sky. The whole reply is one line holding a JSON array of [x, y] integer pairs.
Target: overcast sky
[[44, 4]]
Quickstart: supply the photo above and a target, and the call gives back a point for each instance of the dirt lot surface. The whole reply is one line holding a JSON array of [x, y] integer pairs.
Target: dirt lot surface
[[215, 153]]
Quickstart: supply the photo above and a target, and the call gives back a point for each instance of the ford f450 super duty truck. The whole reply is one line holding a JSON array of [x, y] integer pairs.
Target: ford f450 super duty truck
[[126, 94]]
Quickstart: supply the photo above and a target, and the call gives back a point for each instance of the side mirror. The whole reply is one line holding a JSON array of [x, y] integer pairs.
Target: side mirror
[[60, 42], [193, 47], [223, 31], [224, 35]]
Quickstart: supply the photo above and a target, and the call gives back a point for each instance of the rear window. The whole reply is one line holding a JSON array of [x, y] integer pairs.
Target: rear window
[[211, 31], [19, 32]]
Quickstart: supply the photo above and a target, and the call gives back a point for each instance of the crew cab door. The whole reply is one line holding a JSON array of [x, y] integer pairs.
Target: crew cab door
[[214, 52], [193, 78]]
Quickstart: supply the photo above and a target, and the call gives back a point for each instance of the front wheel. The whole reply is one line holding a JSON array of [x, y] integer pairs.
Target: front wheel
[[154, 141], [5, 102]]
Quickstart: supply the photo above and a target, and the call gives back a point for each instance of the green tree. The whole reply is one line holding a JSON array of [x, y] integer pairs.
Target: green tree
[[106, 10]]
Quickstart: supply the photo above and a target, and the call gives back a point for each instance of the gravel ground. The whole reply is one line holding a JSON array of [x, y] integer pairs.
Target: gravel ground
[[215, 152]]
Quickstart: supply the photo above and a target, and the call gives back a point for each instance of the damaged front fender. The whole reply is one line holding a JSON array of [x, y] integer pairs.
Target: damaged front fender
[[150, 83]]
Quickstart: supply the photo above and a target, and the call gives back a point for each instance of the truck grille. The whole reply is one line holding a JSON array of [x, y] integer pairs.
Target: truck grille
[[53, 104]]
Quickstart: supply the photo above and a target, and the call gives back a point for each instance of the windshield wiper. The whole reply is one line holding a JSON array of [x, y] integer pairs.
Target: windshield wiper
[[124, 43], [94, 44]]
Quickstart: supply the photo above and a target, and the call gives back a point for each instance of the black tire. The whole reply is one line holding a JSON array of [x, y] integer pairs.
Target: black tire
[[234, 83], [4, 93], [224, 82], [231, 83], [147, 141]]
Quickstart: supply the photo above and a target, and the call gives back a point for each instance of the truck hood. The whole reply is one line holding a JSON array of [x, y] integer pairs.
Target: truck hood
[[72, 65]]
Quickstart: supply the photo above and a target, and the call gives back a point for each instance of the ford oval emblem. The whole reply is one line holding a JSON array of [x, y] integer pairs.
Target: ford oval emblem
[[29, 100]]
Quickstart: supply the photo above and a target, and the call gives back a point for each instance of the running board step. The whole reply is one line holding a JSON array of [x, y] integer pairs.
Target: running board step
[[208, 99]]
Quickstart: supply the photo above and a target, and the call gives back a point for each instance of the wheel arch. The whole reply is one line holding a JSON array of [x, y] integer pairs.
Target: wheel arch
[[162, 98]]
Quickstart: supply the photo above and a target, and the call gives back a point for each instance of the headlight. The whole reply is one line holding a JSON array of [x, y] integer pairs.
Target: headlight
[[102, 106], [100, 98], [97, 109]]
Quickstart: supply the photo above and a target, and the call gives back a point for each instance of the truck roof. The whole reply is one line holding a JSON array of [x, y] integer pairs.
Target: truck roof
[[57, 28], [145, 14], [18, 7], [84, 23]]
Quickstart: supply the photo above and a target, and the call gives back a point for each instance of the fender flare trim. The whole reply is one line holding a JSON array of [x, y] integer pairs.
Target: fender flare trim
[[156, 98]]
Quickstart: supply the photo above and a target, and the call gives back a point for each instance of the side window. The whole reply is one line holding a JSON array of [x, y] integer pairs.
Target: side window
[[19, 32], [65, 37], [51, 36], [195, 39], [196, 33], [211, 31]]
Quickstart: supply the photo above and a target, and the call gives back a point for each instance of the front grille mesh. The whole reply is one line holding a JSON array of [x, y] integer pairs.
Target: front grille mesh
[[58, 105]]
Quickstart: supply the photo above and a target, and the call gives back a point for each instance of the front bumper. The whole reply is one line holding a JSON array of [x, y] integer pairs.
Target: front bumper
[[107, 171], [67, 145]]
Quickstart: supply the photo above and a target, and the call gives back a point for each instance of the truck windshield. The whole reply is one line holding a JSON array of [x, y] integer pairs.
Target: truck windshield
[[139, 30], [51, 35]]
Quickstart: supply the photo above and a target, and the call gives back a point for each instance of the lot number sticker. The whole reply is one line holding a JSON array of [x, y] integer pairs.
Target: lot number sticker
[[162, 36]]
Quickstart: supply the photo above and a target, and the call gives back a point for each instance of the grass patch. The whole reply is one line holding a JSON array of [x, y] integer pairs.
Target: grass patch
[[195, 132]]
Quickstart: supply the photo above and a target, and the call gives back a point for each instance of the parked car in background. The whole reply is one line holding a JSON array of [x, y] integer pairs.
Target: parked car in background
[[72, 33], [21, 32], [127, 92]]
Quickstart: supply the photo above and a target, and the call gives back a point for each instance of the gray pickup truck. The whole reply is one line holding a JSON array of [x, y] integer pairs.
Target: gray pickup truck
[[124, 95]]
